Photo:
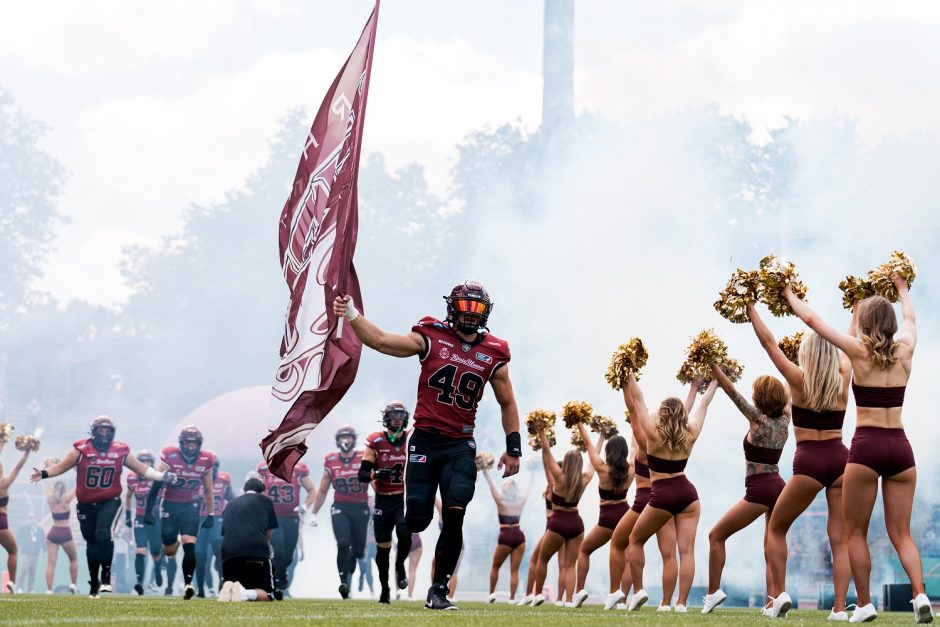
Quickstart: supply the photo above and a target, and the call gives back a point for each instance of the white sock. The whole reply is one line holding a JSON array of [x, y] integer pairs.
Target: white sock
[[250, 595]]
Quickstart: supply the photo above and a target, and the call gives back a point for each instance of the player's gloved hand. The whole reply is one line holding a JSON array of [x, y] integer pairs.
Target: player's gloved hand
[[383, 473], [127, 518], [209, 522], [313, 520], [170, 478], [301, 509], [149, 520], [345, 307]]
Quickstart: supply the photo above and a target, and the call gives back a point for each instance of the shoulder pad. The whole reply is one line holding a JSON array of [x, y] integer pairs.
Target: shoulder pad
[[80, 444], [224, 476], [168, 451], [301, 469]]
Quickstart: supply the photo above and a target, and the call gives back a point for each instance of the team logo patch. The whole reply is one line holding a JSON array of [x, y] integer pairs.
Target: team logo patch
[[113, 455], [445, 354], [465, 347], [417, 459], [378, 512], [486, 359], [471, 443]]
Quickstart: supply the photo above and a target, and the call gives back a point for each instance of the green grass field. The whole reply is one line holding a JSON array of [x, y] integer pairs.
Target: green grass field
[[125, 610]]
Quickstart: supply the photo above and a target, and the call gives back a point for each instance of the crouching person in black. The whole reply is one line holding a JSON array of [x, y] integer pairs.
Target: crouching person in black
[[247, 525]]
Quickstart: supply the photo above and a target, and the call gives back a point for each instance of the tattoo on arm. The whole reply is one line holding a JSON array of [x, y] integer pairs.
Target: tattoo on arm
[[749, 411]]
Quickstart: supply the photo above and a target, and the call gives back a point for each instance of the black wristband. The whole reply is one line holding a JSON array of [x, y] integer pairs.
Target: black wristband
[[365, 471], [44, 474], [514, 444]]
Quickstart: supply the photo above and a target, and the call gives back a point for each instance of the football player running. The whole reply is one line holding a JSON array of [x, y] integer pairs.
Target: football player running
[[179, 512], [457, 357], [350, 510], [145, 536], [209, 539], [285, 496], [384, 461], [99, 460]]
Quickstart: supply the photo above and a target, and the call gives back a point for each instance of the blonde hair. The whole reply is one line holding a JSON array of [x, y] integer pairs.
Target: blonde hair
[[509, 490], [877, 325], [673, 424], [822, 383], [572, 467]]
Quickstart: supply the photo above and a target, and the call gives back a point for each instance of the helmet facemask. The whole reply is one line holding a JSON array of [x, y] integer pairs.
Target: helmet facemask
[[102, 437]]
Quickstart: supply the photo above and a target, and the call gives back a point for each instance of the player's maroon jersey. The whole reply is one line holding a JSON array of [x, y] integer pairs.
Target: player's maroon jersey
[[141, 489], [220, 487], [189, 484], [388, 455], [344, 474], [99, 474], [453, 375], [285, 495]]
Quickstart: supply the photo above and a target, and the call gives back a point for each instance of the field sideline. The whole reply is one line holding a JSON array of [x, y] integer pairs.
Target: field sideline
[[27, 609]]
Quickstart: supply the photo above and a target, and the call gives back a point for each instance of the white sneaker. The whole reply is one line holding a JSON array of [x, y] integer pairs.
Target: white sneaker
[[681, 609], [48, 591], [11, 587], [559, 603], [765, 611], [713, 600], [781, 605], [537, 600], [621, 606], [73, 589], [237, 592], [225, 594], [527, 599], [614, 598], [864, 614], [838, 617], [581, 596], [922, 610], [663, 608], [105, 588], [512, 601], [570, 604], [637, 600], [491, 598]]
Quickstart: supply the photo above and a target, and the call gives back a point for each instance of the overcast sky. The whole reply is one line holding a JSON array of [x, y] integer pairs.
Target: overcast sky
[[153, 106]]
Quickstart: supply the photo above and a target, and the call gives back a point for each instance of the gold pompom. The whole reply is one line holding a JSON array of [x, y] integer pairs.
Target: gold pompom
[[629, 357], [578, 442], [790, 345], [603, 425], [732, 368], [626, 415], [855, 289], [540, 420], [576, 412], [775, 274], [485, 461], [741, 291], [6, 431], [881, 278], [26, 443]]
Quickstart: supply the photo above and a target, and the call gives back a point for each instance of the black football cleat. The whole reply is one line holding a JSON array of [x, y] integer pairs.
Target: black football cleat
[[344, 590], [188, 592], [385, 596], [139, 589], [93, 586], [402, 576], [437, 599]]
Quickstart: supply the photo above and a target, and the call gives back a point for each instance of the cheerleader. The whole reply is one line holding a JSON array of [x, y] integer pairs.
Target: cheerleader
[[511, 542]]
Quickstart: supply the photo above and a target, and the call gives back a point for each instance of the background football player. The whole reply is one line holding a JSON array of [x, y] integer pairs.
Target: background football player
[[145, 536], [384, 460], [350, 511], [285, 495], [457, 357], [99, 460], [179, 512]]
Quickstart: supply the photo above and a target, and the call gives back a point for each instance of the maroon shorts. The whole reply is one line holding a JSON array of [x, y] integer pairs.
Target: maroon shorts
[[763, 489], [674, 494], [59, 535], [822, 460], [611, 514], [640, 499], [511, 537], [886, 451], [566, 524], [4, 524]]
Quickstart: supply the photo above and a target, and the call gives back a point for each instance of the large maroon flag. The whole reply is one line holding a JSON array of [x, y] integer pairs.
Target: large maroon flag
[[317, 233]]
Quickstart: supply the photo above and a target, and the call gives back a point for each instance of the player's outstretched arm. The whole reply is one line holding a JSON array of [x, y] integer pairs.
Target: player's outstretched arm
[[67, 463], [375, 338], [320, 495], [147, 472], [502, 389]]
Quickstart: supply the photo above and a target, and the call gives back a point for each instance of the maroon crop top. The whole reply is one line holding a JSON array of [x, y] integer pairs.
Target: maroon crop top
[[560, 501], [658, 464], [641, 469], [808, 419], [878, 397], [611, 495], [761, 455]]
